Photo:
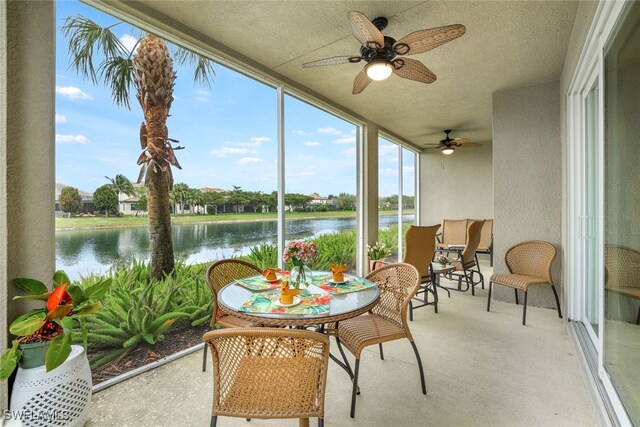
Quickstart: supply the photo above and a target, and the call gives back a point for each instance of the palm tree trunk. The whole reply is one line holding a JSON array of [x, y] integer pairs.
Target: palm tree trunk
[[158, 208]]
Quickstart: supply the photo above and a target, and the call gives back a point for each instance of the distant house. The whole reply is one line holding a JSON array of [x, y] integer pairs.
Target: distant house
[[127, 205], [317, 199], [87, 199]]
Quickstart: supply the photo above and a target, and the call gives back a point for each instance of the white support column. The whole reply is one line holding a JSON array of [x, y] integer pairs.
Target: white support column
[[281, 169], [367, 146]]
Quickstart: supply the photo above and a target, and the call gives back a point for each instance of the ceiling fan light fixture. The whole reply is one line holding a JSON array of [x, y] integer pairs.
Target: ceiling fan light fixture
[[379, 69], [447, 151]]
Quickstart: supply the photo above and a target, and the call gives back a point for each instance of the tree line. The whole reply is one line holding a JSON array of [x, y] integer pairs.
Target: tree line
[[182, 197]]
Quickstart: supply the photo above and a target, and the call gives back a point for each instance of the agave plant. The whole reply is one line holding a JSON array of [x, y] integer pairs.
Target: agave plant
[[65, 304]]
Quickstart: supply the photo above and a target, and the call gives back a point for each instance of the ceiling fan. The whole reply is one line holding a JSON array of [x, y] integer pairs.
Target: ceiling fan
[[448, 145], [381, 52]]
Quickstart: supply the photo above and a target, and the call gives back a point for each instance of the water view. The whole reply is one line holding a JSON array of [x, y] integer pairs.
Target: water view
[[82, 252]]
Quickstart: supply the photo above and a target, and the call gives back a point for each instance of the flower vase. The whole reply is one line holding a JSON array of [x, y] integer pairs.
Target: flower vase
[[301, 276]]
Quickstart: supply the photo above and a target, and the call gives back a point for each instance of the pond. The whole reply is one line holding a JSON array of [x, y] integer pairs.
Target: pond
[[82, 252]]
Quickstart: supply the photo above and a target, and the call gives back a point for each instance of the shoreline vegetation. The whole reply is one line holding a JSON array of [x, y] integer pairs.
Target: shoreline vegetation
[[101, 222]]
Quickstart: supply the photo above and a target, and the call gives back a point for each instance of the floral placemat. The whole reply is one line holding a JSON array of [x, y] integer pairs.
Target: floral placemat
[[310, 304], [257, 283], [351, 285]]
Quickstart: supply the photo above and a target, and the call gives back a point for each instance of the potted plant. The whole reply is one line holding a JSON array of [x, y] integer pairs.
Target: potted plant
[[377, 252], [45, 334], [442, 260]]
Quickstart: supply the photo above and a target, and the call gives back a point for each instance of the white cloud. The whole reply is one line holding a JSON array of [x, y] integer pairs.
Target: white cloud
[[349, 152], [407, 169], [345, 140], [106, 159], [306, 157], [248, 160], [72, 92], [225, 151], [388, 172], [61, 118], [71, 139], [129, 42], [260, 139], [203, 92], [386, 149], [256, 141], [312, 144], [201, 99], [353, 131], [301, 132], [329, 131]]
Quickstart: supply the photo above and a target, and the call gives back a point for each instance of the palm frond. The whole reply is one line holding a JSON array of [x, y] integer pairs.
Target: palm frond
[[203, 67], [90, 43], [117, 73]]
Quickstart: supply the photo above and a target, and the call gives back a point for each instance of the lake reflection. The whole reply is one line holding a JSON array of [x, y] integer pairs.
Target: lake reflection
[[82, 252]]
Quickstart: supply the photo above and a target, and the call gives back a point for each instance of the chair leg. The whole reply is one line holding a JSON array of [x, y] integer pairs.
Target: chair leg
[[355, 389], [555, 294], [516, 292], [410, 311], [344, 357], [320, 422], [415, 350], [489, 297], [466, 278], [524, 308], [214, 421], [204, 358], [479, 272], [381, 353], [638, 318], [303, 422]]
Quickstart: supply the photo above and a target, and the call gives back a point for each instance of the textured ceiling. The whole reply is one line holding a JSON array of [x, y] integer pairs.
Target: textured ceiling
[[507, 44]]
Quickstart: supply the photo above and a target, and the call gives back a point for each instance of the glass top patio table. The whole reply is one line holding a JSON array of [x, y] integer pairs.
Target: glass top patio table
[[342, 306]]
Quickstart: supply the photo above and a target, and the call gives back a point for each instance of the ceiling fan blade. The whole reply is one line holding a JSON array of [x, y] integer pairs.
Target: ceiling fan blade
[[461, 140], [413, 70], [360, 82], [364, 30], [425, 40], [334, 60], [468, 144]]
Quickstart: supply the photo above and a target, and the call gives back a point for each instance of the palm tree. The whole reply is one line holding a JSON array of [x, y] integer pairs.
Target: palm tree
[[121, 185], [97, 54]]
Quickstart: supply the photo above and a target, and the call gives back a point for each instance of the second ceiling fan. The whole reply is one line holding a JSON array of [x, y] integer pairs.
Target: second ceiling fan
[[448, 145], [381, 53]]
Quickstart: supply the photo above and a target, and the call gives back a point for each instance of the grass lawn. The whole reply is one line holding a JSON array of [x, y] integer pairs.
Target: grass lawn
[[140, 221]]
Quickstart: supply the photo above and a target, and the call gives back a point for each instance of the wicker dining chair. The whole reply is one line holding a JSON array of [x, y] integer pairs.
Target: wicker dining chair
[[387, 321], [486, 240], [219, 274], [468, 259], [622, 266], [529, 264], [420, 246], [268, 373]]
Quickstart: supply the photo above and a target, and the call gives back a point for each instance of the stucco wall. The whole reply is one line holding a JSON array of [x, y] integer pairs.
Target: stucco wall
[[458, 186], [27, 169], [527, 168]]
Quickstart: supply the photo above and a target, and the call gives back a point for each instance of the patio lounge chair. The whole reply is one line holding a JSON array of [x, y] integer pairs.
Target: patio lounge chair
[[454, 232], [622, 267], [467, 258], [387, 321], [219, 274], [420, 246], [530, 265], [486, 240], [268, 373]]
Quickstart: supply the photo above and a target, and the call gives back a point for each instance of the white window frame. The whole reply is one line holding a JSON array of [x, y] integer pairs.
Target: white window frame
[[590, 67]]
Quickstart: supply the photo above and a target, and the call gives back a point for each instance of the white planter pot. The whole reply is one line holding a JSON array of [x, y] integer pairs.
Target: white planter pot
[[57, 398]]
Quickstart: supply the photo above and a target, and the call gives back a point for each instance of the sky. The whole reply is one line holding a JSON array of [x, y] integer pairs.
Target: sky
[[229, 131]]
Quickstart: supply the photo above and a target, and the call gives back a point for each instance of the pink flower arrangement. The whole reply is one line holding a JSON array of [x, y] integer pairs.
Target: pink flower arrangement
[[300, 253]]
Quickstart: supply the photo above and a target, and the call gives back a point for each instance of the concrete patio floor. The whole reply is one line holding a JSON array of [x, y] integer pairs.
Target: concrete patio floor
[[482, 369]]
